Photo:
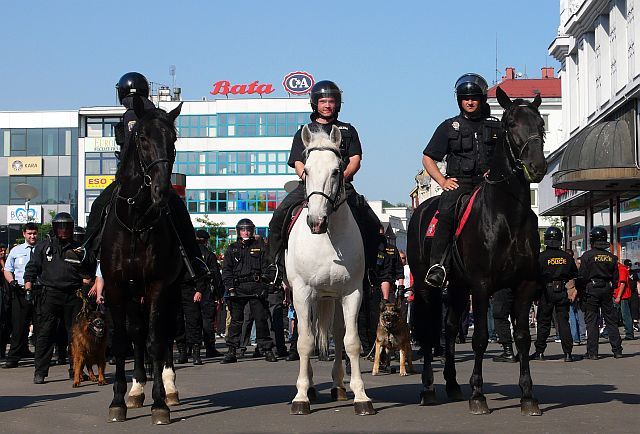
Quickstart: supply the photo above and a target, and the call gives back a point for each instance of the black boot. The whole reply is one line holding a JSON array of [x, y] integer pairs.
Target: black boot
[[507, 354], [256, 353], [569, 358], [293, 355], [230, 357], [182, 353], [269, 356], [211, 351], [537, 355], [195, 351]]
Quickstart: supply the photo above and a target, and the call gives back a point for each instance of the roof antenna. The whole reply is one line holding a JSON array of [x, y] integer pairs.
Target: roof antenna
[[495, 80]]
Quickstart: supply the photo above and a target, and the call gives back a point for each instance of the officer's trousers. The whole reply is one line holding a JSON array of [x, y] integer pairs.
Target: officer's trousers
[[502, 303], [446, 219], [192, 316], [545, 312], [208, 310], [260, 312], [610, 317], [21, 313], [368, 317], [276, 313], [56, 304]]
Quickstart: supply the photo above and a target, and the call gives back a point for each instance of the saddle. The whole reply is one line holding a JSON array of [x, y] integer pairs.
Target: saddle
[[463, 210]]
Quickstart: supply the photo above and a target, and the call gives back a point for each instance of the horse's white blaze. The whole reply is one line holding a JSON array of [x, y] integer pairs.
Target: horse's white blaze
[[168, 379], [326, 266], [136, 388]]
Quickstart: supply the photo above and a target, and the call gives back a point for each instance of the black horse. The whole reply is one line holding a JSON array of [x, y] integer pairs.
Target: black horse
[[141, 263], [498, 248]]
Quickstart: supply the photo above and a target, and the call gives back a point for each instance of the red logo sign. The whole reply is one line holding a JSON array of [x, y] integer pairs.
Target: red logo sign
[[298, 83], [223, 87]]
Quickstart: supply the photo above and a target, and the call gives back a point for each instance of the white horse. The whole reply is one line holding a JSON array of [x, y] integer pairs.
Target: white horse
[[325, 269]]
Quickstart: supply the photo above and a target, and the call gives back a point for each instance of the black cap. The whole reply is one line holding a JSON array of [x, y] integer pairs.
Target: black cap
[[132, 83]]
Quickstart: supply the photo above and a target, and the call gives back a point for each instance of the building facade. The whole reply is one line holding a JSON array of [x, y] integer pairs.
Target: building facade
[[593, 178]]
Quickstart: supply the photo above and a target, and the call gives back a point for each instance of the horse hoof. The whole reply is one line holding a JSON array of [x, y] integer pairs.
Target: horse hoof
[[172, 399], [428, 397], [364, 408], [479, 406], [160, 416], [529, 407], [135, 401], [339, 394], [312, 394], [454, 393], [117, 414], [300, 407]]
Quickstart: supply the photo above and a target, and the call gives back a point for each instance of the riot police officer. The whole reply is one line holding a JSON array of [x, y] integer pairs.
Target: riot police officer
[[60, 271], [326, 101], [467, 141], [597, 277], [211, 296], [557, 268], [242, 273]]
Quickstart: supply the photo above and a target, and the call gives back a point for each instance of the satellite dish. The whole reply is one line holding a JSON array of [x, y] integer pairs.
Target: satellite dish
[[26, 191], [289, 186]]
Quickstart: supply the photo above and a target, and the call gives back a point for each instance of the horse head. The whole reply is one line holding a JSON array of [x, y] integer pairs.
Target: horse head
[[154, 136], [324, 178], [524, 135]]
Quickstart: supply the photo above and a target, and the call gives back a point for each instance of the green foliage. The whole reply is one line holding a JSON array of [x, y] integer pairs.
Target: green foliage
[[218, 240]]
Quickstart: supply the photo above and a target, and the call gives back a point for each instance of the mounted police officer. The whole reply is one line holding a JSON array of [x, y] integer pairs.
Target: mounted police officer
[[597, 277], [326, 101], [57, 267], [132, 89], [242, 273], [557, 268], [467, 141]]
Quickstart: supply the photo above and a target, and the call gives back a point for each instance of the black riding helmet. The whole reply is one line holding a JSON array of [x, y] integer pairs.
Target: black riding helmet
[[61, 220], [202, 234], [598, 237], [326, 89], [471, 84], [246, 224], [553, 237], [132, 83]]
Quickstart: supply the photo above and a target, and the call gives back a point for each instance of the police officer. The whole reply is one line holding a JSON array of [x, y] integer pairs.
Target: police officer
[[242, 273], [133, 88], [502, 302], [326, 101], [557, 268], [467, 141], [211, 296], [59, 269], [597, 276], [21, 300]]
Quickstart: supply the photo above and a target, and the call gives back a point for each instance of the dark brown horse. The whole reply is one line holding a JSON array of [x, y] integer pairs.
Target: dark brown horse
[[141, 263], [498, 248]]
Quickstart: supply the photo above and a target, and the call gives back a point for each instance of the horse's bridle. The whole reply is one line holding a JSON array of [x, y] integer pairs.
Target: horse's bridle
[[337, 199]]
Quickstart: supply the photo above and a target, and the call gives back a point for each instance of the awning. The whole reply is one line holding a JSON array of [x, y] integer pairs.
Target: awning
[[600, 157]]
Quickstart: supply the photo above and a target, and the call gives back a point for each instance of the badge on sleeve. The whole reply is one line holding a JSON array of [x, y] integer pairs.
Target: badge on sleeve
[[130, 125], [455, 125]]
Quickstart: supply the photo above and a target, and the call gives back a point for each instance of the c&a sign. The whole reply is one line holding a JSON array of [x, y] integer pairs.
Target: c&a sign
[[25, 166], [298, 82]]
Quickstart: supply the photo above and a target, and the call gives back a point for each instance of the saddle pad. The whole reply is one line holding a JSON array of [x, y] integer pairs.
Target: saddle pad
[[431, 229], [467, 211], [294, 216]]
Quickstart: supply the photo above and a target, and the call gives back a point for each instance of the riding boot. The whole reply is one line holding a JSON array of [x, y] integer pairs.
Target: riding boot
[[230, 357], [182, 353], [507, 354], [196, 354]]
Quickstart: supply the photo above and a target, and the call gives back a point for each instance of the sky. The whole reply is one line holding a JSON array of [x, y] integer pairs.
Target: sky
[[396, 62]]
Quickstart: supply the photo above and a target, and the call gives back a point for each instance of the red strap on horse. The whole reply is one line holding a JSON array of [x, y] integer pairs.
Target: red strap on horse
[[294, 217], [431, 229], [467, 211]]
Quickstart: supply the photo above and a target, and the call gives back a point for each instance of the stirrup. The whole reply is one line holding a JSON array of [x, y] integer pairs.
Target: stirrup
[[277, 276], [433, 268]]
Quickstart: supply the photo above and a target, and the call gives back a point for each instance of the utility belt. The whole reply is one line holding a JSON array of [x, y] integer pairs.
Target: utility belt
[[253, 278], [556, 286], [556, 291], [598, 287]]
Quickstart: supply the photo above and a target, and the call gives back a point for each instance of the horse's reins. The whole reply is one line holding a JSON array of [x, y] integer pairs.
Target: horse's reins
[[337, 200]]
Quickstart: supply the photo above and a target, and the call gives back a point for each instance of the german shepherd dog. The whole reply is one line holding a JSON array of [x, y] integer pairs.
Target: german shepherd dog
[[392, 335], [88, 347]]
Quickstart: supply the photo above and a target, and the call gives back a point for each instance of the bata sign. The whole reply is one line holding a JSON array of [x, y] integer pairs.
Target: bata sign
[[224, 87], [298, 83]]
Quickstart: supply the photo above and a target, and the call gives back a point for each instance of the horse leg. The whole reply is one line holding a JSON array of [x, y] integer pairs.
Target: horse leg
[[169, 379], [478, 402], [452, 324], [350, 307], [338, 391], [300, 403], [522, 337], [137, 331], [117, 408], [157, 348]]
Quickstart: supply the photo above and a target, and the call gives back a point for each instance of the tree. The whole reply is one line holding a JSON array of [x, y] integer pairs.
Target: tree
[[219, 235]]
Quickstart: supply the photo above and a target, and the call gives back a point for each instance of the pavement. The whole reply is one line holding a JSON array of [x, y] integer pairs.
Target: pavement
[[253, 396]]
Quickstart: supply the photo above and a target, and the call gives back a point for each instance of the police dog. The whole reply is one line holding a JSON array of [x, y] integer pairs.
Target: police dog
[[88, 347], [392, 335]]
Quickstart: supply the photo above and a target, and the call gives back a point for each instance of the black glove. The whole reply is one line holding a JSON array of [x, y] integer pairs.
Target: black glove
[[15, 285]]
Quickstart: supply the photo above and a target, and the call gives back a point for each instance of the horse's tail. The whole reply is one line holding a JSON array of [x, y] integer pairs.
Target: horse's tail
[[324, 320]]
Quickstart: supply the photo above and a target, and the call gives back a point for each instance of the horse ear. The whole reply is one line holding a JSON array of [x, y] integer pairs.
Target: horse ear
[[306, 136], [503, 99], [173, 114], [138, 106], [335, 136], [537, 101]]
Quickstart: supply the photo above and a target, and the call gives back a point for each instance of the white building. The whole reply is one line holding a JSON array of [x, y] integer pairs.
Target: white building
[[394, 219], [593, 177]]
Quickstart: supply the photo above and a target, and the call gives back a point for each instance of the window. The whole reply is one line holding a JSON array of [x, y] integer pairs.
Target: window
[[545, 118], [101, 127], [260, 124], [34, 141], [534, 197], [233, 163], [231, 201], [97, 163]]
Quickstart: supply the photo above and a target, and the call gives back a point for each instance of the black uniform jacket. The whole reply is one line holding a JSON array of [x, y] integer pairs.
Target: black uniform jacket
[[597, 266], [557, 265], [209, 258], [47, 265], [244, 265]]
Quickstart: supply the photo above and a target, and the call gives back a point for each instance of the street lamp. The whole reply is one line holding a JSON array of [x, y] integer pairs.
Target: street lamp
[[26, 192]]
